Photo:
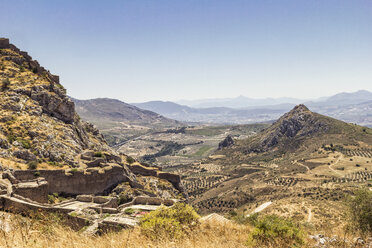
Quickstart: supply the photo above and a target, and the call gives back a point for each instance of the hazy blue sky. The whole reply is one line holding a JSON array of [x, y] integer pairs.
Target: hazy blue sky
[[143, 50]]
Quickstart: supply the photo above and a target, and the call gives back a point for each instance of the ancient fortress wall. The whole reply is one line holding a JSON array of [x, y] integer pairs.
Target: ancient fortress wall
[[92, 181]]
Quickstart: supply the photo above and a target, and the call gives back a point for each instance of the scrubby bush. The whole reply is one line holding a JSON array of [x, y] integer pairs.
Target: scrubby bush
[[360, 211], [32, 165], [129, 211], [275, 231], [173, 223], [130, 160], [98, 154], [25, 143], [123, 198], [242, 218], [11, 138]]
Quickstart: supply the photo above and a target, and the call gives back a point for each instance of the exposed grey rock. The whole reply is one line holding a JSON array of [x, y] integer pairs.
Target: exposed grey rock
[[4, 144], [56, 106], [227, 142], [24, 154], [95, 163]]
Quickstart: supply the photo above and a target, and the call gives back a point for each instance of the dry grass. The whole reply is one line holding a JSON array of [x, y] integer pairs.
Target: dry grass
[[16, 231]]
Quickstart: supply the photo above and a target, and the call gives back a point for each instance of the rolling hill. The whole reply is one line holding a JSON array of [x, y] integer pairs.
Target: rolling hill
[[119, 121], [100, 109]]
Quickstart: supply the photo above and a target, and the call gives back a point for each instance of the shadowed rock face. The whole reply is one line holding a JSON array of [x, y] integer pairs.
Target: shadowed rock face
[[55, 105], [227, 142]]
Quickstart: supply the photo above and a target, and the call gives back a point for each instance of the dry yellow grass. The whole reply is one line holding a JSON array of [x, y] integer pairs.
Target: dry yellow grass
[[16, 231]]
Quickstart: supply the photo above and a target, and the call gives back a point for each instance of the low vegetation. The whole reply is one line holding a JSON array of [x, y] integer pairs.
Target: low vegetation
[[179, 226], [174, 223], [32, 165], [275, 231], [50, 232]]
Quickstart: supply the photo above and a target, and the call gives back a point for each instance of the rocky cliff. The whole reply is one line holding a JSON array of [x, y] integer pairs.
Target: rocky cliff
[[38, 121]]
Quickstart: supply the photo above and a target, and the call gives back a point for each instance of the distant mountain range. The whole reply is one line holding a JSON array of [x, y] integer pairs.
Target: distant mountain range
[[238, 102], [218, 115], [351, 107], [244, 102]]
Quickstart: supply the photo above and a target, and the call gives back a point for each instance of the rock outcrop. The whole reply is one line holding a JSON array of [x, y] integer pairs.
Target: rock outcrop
[[298, 123], [38, 121], [227, 142]]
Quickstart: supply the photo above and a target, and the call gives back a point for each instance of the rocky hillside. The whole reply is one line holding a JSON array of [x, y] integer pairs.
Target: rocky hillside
[[38, 121], [301, 130], [118, 121], [295, 125]]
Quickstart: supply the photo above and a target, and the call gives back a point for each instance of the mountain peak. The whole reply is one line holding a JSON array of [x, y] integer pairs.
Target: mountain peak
[[300, 108], [298, 123]]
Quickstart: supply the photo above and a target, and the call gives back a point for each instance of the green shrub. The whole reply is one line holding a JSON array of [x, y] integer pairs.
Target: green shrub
[[174, 222], [360, 211], [129, 211], [124, 199], [11, 138], [98, 154], [275, 231], [25, 143], [242, 218], [32, 165], [130, 160], [51, 199]]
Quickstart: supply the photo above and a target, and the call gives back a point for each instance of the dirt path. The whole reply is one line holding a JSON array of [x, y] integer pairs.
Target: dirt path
[[309, 217], [300, 164], [330, 165], [310, 214], [261, 207]]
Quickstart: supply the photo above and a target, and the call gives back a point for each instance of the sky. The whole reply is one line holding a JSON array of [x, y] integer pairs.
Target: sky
[[142, 50]]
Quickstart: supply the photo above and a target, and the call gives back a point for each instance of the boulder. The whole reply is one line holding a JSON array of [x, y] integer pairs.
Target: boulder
[[24, 154], [227, 142], [95, 163]]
